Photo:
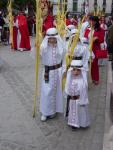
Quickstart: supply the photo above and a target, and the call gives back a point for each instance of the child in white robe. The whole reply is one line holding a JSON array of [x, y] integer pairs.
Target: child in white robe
[[77, 96], [81, 51], [52, 53], [67, 36]]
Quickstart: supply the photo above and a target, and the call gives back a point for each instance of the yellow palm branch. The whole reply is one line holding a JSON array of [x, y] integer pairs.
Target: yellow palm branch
[[38, 42]]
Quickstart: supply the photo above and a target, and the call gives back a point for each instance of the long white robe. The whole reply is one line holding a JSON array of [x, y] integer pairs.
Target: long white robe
[[82, 50], [78, 115], [51, 100]]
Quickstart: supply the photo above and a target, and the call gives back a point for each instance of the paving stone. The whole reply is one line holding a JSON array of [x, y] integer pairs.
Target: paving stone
[[95, 146], [100, 119]]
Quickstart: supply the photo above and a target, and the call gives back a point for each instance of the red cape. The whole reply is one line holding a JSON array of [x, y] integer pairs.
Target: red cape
[[23, 28]]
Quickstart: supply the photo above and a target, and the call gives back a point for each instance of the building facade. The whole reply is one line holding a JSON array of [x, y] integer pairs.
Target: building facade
[[79, 5]]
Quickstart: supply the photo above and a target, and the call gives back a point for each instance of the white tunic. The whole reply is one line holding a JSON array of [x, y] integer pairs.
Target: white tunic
[[51, 100], [78, 109], [82, 50]]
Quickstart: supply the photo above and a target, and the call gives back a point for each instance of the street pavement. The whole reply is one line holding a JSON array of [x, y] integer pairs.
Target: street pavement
[[20, 131], [108, 132]]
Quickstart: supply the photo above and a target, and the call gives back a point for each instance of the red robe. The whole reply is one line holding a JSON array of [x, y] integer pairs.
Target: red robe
[[23, 28], [96, 46], [47, 23]]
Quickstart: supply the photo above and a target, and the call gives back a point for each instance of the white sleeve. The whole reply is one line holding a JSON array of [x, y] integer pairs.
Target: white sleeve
[[84, 95]]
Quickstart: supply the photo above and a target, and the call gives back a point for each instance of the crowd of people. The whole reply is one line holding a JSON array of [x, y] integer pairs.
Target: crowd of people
[[94, 41], [4, 28], [92, 45], [20, 19]]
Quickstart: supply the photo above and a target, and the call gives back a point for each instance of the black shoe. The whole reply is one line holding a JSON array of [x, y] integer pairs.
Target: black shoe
[[51, 116], [110, 57], [74, 128]]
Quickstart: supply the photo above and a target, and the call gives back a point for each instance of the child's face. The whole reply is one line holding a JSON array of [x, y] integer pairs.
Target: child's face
[[92, 23], [52, 41], [76, 72]]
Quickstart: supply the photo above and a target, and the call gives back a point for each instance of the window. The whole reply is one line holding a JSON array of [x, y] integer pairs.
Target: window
[[65, 5], [75, 4]]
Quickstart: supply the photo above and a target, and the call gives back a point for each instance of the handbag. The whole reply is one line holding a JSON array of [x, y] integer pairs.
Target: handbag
[[101, 54]]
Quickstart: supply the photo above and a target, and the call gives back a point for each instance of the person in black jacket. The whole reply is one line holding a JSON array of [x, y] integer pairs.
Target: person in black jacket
[[1, 26], [110, 41]]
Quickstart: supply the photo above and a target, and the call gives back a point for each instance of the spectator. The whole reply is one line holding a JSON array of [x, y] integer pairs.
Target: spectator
[[110, 41], [1, 25]]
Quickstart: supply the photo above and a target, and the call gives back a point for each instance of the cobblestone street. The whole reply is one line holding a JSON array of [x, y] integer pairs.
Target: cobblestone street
[[19, 131]]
